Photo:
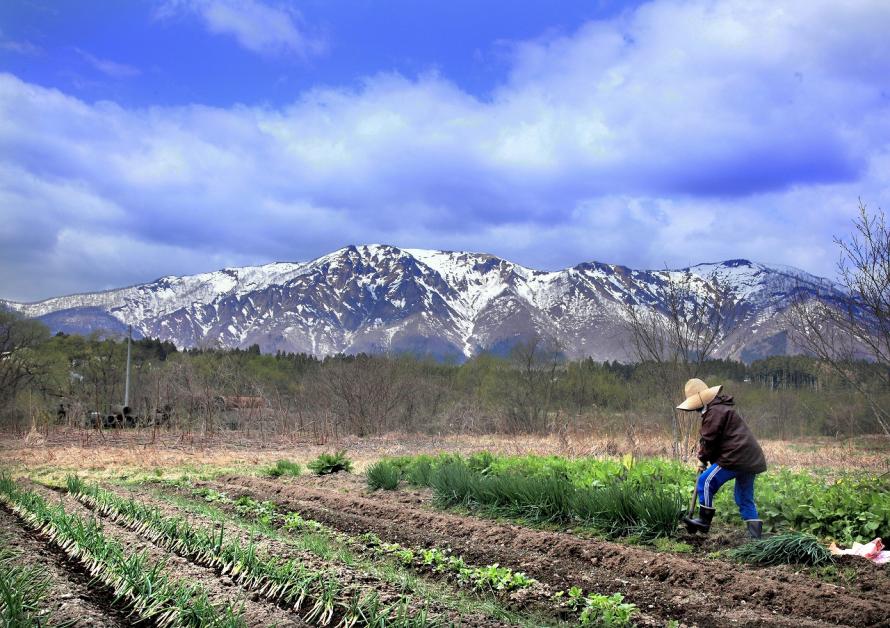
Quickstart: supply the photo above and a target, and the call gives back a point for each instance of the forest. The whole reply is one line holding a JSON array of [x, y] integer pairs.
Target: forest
[[71, 380]]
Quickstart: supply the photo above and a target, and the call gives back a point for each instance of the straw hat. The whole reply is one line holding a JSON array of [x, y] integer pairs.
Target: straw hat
[[698, 395]]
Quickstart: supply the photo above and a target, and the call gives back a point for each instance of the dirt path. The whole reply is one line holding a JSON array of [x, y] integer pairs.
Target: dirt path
[[70, 596], [220, 589], [700, 591]]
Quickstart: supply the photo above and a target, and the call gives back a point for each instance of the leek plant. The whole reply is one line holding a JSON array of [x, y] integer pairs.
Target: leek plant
[[23, 591], [133, 579], [791, 548]]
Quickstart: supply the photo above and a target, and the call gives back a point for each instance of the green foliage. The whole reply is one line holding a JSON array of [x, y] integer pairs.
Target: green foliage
[[481, 462], [640, 507], [851, 508], [328, 463], [420, 471], [598, 610], [294, 522], [262, 512], [607, 611], [490, 578], [665, 544], [495, 578], [645, 496], [284, 467], [383, 475], [794, 548]]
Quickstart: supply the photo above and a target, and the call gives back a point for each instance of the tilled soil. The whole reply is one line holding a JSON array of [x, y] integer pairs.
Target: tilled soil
[[351, 578], [695, 590], [220, 589], [70, 596]]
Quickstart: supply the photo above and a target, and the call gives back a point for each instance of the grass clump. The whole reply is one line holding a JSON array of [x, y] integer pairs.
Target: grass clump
[[284, 467], [327, 463], [793, 548], [420, 472], [383, 475]]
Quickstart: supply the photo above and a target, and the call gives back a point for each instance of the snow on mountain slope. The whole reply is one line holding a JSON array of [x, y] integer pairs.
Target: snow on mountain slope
[[446, 303]]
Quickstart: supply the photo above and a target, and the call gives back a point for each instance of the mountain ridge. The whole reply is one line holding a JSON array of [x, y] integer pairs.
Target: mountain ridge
[[379, 297]]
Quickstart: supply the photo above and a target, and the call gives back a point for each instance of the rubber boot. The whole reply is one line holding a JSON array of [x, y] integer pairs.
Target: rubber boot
[[755, 528], [702, 523]]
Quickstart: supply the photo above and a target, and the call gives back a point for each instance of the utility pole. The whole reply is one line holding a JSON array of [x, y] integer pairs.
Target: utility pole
[[127, 382]]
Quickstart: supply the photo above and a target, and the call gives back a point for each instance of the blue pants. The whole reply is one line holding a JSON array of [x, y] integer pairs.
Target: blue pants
[[715, 476]]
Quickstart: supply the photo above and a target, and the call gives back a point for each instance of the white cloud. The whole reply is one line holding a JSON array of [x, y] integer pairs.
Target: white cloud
[[256, 26], [21, 47], [679, 133], [109, 68]]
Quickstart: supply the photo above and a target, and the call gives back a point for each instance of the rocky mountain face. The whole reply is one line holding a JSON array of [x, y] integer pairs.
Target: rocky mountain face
[[378, 298]]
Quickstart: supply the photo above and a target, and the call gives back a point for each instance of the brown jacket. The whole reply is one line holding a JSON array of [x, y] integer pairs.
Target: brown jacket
[[726, 439]]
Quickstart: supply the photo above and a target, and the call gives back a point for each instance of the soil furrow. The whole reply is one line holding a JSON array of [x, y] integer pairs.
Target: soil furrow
[[706, 592], [70, 596], [220, 589]]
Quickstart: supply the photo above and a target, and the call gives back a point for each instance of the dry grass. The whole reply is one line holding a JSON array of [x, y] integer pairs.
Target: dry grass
[[128, 452]]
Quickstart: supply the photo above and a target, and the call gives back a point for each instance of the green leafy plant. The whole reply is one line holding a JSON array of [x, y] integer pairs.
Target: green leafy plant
[[646, 494], [597, 610], [294, 522], [383, 475], [328, 463], [481, 462], [262, 512], [496, 578], [607, 611], [284, 468], [792, 548]]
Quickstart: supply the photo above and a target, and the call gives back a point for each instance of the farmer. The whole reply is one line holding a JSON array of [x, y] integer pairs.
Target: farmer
[[729, 447]]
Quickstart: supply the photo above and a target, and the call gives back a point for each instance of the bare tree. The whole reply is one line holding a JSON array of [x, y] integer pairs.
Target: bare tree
[[854, 325], [675, 333], [18, 364], [364, 391], [534, 363]]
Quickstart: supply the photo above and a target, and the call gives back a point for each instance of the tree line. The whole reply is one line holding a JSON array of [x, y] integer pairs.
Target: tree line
[[67, 379]]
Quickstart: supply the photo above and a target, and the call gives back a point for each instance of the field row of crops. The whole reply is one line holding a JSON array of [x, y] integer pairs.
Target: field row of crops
[[328, 547], [639, 498], [337, 582], [577, 571], [440, 563], [150, 593]]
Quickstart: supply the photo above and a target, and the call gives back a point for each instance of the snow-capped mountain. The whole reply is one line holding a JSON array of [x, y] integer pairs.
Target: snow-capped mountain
[[445, 303]]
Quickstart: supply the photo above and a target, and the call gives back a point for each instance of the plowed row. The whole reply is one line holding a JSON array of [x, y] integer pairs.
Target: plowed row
[[698, 591]]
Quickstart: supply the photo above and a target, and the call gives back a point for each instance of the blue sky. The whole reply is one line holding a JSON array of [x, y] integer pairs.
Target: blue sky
[[145, 138]]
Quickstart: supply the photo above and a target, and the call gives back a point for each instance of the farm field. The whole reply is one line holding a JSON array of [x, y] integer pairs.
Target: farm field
[[421, 532]]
